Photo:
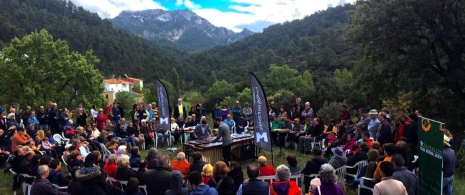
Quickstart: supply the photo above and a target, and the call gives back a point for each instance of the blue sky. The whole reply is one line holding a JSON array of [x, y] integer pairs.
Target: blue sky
[[232, 14]]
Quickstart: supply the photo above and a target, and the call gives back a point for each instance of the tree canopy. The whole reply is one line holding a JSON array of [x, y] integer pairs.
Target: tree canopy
[[37, 69]]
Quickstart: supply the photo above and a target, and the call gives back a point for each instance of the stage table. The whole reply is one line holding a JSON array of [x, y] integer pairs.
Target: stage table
[[212, 152]]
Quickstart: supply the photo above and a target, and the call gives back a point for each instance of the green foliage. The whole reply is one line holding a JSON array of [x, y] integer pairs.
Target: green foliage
[[245, 96], [307, 77], [197, 99], [119, 52], [125, 99], [282, 78], [175, 82], [149, 97], [219, 90], [330, 110], [343, 77], [37, 69], [212, 78], [283, 97]]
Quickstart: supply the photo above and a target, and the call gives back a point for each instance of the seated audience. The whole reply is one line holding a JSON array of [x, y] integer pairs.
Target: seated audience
[[176, 185], [401, 173], [74, 187], [388, 185], [389, 149], [197, 187], [254, 185], [329, 185], [140, 174], [265, 170], [236, 174], [124, 172], [220, 180], [207, 173], [135, 157], [75, 159], [110, 165], [122, 152], [359, 156], [133, 187], [152, 158], [283, 185], [293, 166], [197, 164], [313, 166], [158, 179], [181, 164], [42, 186], [339, 159], [55, 176]]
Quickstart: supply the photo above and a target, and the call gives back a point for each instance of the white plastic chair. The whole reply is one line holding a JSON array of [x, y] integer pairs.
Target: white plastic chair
[[144, 188], [28, 188], [267, 178], [135, 169], [58, 138], [106, 152], [357, 165], [363, 186], [61, 188], [297, 178], [340, 173], [123, 184], [143, 143], [317, 144]]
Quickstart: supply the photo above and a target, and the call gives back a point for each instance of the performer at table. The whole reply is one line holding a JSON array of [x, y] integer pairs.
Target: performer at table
[[225, 133], [202, 131]]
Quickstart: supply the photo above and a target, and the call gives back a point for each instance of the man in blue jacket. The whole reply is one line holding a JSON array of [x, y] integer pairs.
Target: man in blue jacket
[[197, 187]]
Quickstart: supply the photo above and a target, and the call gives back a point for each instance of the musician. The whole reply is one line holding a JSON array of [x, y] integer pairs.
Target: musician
[[225, 133]]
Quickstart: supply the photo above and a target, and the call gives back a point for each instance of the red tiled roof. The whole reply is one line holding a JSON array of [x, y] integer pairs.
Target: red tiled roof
[[116, 81]]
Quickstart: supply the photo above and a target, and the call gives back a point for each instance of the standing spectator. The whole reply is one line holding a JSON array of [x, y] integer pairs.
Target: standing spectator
[[307, 112], [384, 134], [225, 134], [101, 120], [180, 110], [63, 118], [283, 185], [265, 170], [344, 114], [93, 113], [42, 117], [374, 123], [364, 120], [224, 112], [81, 116], [328, 180], [197, 187], [176, 185], [41, 185], [181, 164], [449, 164], [142, 114], [293, 113], [408, 178], [216, 113], [254, 185], [220, 180], [236, 111], [3, 125], [388, 185], [150, 110], [121, 109], [411, 132], [53, 115], [400, 130], [247, 111], [158, 179], [115, 114]]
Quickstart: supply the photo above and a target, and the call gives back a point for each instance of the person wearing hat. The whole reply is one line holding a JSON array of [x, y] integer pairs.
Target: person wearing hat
[[374, 123], [449, 161], [313, 166], [68, 129], [339, 159]]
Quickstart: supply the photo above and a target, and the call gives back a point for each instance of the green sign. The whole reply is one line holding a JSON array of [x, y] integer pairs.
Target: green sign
[[430, 143]]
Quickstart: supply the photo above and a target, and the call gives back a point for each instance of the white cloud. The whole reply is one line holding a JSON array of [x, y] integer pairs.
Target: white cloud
[[271, 11], [111, 8]]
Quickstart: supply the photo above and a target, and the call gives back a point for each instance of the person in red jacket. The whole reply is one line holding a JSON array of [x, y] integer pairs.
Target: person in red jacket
[[283, 185], [101, 120], [265, 170]]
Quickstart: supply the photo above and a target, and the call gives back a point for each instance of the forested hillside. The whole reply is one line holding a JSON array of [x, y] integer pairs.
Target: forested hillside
[[315, 43], [118, 51]]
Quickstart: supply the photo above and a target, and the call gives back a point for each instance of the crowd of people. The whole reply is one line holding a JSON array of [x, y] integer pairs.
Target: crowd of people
[[28, 146]]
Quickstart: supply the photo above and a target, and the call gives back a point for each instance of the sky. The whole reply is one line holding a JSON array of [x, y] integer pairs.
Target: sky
[[232, 14]]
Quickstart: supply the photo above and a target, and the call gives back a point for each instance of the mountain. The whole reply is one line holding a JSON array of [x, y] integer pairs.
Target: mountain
[[316, 43], [119, 52], [182, 28]]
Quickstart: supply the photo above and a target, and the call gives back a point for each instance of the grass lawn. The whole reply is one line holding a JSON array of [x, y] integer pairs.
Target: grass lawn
[[6, 179]]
